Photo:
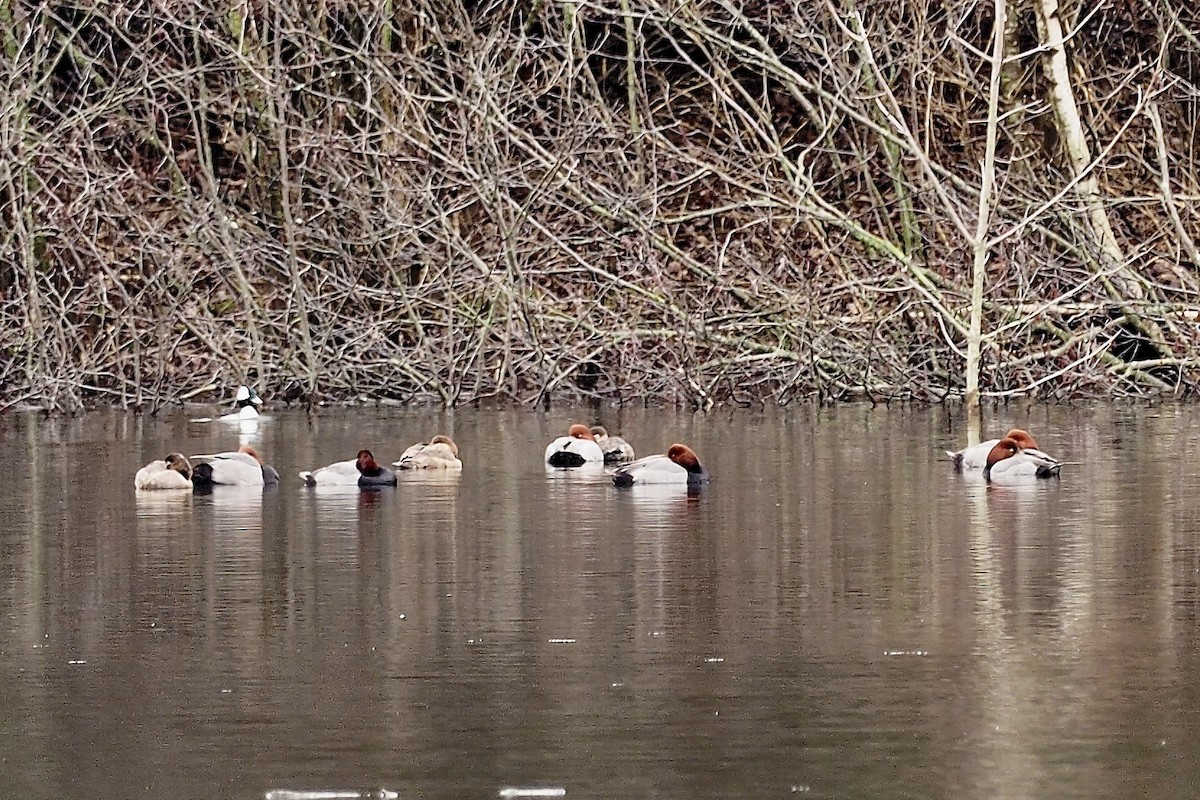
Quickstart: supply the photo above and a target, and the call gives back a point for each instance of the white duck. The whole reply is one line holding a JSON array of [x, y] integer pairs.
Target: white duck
[[679, 466], [1008, 462], [247, 401], [975, 458], [241, 468], [575, 449], [439, 453], [245, 408], [363, 471], [174, 472]]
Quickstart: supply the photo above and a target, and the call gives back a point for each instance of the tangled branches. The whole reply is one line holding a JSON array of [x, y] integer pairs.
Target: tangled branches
[[682, 202]]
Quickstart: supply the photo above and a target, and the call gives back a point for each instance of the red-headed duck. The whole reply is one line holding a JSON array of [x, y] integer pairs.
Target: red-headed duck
[[363, 471], [678, 466], [974, 458], [439, 453], [616, 450], [241, 468], [575, 449], [174, 472], [1008, 461]]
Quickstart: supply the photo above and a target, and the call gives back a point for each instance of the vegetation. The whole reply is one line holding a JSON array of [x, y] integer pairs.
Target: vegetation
[[692, 201]]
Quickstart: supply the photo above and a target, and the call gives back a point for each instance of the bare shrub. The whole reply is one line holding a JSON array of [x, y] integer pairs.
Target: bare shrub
[[683, 202]]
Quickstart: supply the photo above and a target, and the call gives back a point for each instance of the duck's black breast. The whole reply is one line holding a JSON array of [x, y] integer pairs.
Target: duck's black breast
[[565, 458], [202, 475], [377, 477]]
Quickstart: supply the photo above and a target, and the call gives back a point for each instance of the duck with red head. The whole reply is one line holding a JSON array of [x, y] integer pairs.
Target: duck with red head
[[1008, 462], [173, 472], [975, 458], [679, 466], [576, 449], [362, 470], [372, 474], [244, 467]]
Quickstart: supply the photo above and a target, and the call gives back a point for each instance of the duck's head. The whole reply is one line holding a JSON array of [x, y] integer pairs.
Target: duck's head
[[366, 462], [1022, 438], [446, 440], [684, 456], [599, 432], [578, 431], [1005, 448], [179, 463], [250, 451], [247, 396]]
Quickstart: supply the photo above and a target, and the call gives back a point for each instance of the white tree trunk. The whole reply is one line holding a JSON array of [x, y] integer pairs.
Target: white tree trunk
[[1070, 126], [980, 244]]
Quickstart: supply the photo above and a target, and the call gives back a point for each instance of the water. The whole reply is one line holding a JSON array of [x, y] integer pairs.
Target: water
[[837, 616]]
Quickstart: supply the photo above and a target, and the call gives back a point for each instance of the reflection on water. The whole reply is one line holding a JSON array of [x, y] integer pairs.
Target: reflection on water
[[152, 505], [837, 615]]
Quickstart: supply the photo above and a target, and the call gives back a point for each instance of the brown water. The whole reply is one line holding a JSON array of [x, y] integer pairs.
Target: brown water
[[837, 616]]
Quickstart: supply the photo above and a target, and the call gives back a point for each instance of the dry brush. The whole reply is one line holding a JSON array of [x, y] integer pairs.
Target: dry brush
[[693, 202]]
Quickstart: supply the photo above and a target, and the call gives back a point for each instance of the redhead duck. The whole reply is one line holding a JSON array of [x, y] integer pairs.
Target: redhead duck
[[575, 449], [241, 468], [1008, 462], [616, 450], [678, 466], [440, 453], [973, 458], [174, 472], [363, 471]]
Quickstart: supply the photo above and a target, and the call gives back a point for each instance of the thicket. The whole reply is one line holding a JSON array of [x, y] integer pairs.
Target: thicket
[[689, 201]]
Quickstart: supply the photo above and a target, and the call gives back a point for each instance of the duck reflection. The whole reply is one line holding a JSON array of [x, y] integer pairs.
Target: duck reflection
[[153, 505], [235, 506], [437, 479], [660, 505], [337, 509], [576, 499], [248, 430]]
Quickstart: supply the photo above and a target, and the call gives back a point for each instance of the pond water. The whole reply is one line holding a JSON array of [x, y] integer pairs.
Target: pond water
[[838, 615]]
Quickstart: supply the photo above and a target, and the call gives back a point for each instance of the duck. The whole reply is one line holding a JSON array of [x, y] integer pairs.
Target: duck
[[975, 457], [1008, 461], [245, 402], [575, 449], [173, 472], [678, 466], [243, 467], [439, 453], [363, 471], [339, 473], [616, 450]]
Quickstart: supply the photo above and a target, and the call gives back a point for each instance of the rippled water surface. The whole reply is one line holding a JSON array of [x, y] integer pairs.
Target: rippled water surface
[[837, 616]]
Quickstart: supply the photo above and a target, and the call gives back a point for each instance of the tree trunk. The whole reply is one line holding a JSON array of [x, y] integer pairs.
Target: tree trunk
[[1062, 98], [981, 245]]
